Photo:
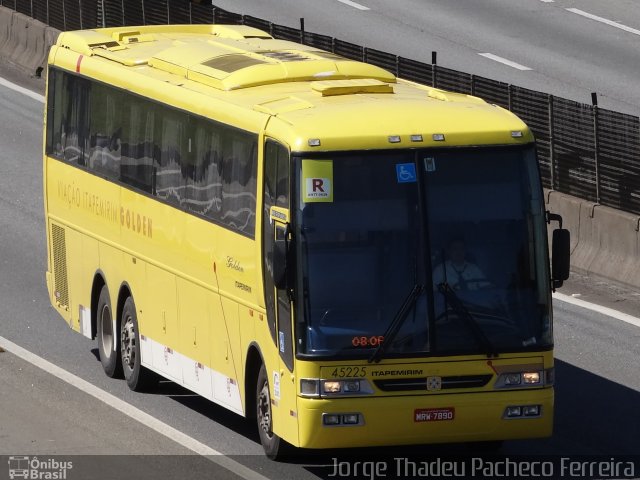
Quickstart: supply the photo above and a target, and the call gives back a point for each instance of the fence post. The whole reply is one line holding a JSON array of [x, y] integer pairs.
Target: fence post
[[302, 30], [596, 143], [552, 163], [473, 85], [168, 13], [510, 97], [64, 16], [102, 14], [434, 67], [31, 8], [79, 10]]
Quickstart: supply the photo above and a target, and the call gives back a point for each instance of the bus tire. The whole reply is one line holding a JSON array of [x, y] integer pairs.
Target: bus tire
[[272, 444], [138, 377], [107, 340]]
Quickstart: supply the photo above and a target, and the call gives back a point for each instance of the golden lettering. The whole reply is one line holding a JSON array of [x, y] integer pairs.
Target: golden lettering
[[74, 196]]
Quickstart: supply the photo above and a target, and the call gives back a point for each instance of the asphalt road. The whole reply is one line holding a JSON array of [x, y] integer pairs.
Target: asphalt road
[[572, 47], [45, 418], [598, 388]]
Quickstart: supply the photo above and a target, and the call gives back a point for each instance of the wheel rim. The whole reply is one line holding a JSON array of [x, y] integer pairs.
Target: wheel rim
[[128, 343], [264, 410], [106, 330]]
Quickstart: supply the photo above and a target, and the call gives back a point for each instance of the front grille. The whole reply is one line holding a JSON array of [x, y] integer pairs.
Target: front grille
[[448, 383]]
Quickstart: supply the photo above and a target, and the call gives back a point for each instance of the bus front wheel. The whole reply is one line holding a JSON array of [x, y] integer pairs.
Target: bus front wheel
[[138, 377], [107, 341], [273, 445]]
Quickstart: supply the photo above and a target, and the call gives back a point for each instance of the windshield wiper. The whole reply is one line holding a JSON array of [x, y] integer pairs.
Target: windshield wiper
[[396, 323], [464, 313]]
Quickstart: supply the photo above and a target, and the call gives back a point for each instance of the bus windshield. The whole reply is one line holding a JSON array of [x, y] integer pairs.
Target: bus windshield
[[430, 252]]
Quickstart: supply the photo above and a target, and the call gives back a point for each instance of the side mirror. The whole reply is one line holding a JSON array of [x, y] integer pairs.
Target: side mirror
[[280, 255], [560, 256]]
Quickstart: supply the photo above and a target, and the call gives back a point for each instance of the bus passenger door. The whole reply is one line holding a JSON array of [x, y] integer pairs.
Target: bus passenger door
[[277, 301]]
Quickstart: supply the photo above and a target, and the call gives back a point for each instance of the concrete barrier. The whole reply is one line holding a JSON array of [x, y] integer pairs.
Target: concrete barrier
[[604, 242], [18, 46], [35, 53], [25, 42], [6, 23]]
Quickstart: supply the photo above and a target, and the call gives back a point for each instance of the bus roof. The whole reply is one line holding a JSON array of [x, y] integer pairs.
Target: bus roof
[[243, 76]]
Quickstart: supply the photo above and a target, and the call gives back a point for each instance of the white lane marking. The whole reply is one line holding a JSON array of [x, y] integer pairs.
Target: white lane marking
[[504, 61], [354, 4], [547, 1], [22, 90], [609, 312], [604, 20], [132, 412]]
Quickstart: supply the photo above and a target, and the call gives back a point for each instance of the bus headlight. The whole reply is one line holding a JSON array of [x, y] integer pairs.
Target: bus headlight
[[512, 379], [331, 386], [309, 387], [525, 379], [314, 387], [351, 386], [531, 378]]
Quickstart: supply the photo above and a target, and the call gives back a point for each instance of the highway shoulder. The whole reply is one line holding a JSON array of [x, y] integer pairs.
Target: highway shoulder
[[603, 292], [43, 417]]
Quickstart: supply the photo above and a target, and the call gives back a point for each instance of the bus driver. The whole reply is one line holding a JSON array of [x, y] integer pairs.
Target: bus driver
[[457, 271]]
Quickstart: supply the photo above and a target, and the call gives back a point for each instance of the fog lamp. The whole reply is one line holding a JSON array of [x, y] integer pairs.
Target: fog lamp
[[331, 419], [512, 412], [351, 419]]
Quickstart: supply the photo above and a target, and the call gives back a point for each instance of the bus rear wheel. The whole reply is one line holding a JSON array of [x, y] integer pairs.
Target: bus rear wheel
[[107, 341], [274, 446], [138, 377]]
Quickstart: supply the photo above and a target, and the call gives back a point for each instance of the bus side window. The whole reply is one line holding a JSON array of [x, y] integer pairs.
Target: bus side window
[[69, 117], [204, 185], [170, 185], [239, 163], [136, 167], [105, 131]]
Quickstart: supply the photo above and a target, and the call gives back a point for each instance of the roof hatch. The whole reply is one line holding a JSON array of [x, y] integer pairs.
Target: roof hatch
[[242, 70], [350, 87]]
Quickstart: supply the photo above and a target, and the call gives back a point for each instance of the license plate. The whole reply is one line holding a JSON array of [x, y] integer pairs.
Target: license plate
[[433, 414]]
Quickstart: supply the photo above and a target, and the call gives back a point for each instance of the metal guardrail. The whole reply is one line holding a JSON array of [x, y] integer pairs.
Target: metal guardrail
[[583, 150]]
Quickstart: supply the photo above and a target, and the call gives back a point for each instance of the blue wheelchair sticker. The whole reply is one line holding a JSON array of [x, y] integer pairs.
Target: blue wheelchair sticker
[[406, 172]]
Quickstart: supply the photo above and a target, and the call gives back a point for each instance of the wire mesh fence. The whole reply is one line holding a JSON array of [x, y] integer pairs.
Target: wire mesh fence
[[584, 151]]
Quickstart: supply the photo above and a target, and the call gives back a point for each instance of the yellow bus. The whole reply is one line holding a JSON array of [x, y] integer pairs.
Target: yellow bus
[[345, 257]]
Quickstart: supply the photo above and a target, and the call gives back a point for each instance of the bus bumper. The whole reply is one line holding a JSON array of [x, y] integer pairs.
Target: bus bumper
[[389, 421]]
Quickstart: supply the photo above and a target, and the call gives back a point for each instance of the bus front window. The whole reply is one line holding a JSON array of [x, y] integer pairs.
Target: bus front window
[[463, 228], [487, 241]]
